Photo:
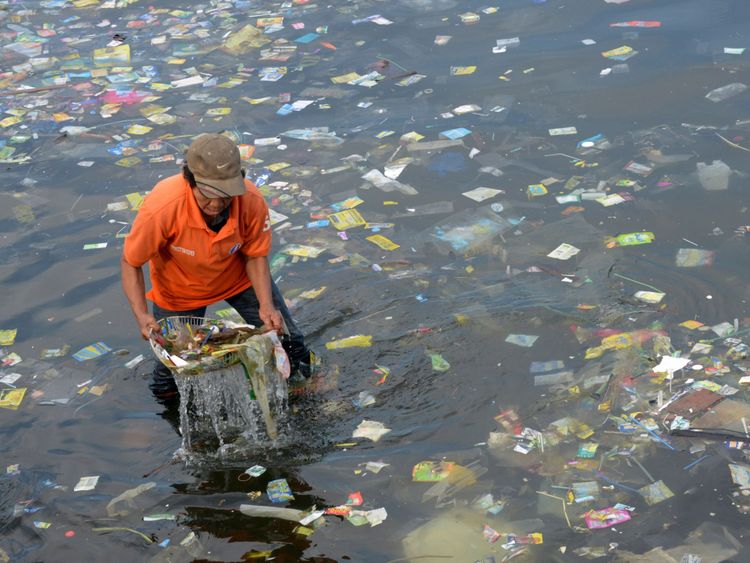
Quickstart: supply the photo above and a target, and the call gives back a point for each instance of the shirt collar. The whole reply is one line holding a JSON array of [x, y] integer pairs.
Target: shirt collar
[[195, 216]]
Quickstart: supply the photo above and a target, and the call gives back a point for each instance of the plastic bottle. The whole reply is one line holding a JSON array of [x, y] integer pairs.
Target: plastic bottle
[[726, 92], [714, 177]]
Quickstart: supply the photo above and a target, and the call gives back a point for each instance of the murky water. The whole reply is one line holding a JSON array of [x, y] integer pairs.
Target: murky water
[[458, 314]]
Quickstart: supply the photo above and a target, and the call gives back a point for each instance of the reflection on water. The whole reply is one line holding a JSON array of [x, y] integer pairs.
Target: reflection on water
[[525, 380]]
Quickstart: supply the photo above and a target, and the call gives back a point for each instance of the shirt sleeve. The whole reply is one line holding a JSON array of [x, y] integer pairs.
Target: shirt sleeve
[[256, 233], [146, 237]]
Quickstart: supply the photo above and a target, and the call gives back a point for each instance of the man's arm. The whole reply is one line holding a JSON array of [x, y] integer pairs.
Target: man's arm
[[260, 276], [134, 286]]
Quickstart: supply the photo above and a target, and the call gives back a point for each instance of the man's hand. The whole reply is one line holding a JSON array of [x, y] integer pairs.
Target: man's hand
[[147, 323], [271, 318], [134, 287], [260, 276]]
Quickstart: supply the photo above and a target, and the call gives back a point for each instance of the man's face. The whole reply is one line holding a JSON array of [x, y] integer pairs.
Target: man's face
[[210, 200]]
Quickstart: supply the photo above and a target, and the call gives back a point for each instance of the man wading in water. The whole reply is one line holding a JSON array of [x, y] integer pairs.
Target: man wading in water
[[206, 235]]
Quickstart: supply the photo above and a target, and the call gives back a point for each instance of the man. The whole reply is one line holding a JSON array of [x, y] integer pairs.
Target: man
[[206, 235]]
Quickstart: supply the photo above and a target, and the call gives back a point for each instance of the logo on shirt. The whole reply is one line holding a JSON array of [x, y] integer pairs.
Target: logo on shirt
[[267, 224], [235, 248], [183, 250]]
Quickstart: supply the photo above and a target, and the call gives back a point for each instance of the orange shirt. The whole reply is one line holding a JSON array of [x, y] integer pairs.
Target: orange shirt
[[190, 265]]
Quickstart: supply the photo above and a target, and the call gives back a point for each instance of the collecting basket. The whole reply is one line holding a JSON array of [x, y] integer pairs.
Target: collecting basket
[[171, 326]]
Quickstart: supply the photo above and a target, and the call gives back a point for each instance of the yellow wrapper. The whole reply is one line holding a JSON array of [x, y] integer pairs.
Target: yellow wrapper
[[411, 137], [7, 337], [245, 39], [8, 121], [162, 118], [303, 251], [128, 162], [135, 200], [463, 70], [619, 52], [256, 101], [312, 293], [152, 109], [346, 219], [383, 242], [109, 56], [357, 341], [214, 112], [231, 83], [139, 129], [265, 22], [344, 78], [618, 341], [11, 398]]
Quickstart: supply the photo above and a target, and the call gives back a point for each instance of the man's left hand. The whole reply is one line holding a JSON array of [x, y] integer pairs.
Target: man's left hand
[[271, 318]]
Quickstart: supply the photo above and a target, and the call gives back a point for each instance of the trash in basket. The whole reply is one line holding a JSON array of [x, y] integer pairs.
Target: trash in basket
[[230, 377], [197, 345]]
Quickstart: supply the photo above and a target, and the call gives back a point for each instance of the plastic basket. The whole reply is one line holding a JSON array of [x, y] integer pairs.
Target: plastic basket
[[193, 367]]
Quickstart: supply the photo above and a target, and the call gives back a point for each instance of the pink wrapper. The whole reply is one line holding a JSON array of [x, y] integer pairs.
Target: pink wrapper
[[606, 517]]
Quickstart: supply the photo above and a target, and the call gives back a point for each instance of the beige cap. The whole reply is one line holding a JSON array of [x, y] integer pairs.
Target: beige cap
[[215, 161]]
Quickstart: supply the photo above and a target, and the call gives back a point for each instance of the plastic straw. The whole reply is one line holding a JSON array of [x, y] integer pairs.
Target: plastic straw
[[654, 434], [565, 510]]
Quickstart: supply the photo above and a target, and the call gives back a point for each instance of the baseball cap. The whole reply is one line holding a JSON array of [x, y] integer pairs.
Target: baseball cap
[[215, 160]]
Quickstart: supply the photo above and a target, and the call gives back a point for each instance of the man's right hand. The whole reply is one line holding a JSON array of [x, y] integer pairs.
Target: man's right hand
[[147, 324], [134, 287]]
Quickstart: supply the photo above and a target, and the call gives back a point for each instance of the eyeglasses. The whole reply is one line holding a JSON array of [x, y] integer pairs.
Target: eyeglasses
[[213, 192]]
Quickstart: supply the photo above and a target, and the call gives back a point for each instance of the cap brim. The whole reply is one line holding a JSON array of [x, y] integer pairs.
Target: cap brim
[[230, 186]]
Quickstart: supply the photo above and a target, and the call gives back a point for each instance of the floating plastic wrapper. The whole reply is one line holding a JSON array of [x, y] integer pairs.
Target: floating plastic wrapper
[[469, 232]]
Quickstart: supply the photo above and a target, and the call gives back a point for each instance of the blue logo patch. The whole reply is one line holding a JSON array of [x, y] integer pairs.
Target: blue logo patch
[[235, 248]]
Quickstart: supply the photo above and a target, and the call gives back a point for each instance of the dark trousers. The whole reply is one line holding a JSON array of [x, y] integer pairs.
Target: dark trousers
[[246, 304]]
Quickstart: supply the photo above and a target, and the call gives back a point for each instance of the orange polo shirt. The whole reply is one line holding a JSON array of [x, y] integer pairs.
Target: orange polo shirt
[[190, 265]]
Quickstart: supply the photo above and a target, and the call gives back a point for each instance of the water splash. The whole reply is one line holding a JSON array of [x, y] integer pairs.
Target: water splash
[[244, 403]]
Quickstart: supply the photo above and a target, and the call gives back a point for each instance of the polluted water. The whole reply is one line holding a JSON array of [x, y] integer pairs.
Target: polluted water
[[231, 379], [515, 233], [220, 407]]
